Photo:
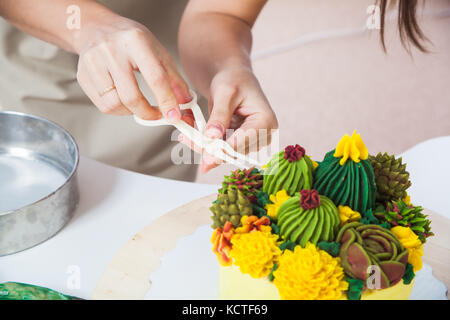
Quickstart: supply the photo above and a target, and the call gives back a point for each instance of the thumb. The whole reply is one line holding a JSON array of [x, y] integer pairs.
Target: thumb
[[221, 113]]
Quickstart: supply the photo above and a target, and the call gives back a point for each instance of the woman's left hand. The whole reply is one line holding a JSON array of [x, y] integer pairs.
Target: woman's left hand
[[236, 102]]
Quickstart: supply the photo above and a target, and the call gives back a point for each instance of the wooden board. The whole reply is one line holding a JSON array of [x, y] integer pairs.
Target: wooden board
[[437, 248], [127, 276]]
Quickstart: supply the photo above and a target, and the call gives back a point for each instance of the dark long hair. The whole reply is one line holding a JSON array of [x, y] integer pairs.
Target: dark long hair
[[409, 29]]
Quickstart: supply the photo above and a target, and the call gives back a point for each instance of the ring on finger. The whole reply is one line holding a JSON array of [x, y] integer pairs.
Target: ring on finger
[[106, 90]]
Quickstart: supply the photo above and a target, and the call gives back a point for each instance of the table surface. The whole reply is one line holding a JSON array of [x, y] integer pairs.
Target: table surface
[[116, 204]]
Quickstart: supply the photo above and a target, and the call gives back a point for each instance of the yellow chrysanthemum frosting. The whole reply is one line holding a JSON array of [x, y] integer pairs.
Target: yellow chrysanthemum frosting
[[412, 243], [278, 199], [352, 147], [415, 257], [255, 252], [309, 274], [347, 215]]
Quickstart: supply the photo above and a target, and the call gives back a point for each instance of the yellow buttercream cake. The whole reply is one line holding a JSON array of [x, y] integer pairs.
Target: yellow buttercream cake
[[327, 230], [235, 285]]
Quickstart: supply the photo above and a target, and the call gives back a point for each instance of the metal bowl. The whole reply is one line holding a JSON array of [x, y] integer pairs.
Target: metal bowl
[[38, 185]]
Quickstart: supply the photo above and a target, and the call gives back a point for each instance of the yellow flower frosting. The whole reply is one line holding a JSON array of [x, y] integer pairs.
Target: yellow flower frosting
[[412, 243], [315, 164], [255, 252], [352, 147], [278, 199], [407, 200], [346, 214], [415, 258], [309, 274]]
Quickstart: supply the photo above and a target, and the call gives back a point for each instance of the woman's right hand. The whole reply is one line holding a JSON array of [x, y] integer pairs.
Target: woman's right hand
[[110, 52]]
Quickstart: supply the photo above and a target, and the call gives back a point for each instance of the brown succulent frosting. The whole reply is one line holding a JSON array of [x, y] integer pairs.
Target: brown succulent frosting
[[364, 245]]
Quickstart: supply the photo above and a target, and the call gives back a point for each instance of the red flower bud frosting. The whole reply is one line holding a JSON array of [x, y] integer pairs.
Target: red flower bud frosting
[[309, 199], [294, 153]]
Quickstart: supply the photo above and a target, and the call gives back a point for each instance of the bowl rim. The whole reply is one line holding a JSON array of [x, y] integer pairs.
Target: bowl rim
[[71, 174]]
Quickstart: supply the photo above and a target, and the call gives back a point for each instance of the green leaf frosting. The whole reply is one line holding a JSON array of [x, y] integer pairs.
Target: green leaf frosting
[[331, 247], [355, 287], [369, 218], [409, 274], [289, 245], [271, 276], [262, 199], [275, 228]]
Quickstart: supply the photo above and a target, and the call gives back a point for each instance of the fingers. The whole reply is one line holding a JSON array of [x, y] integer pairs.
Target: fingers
[[179, 86], [208, 161], [105, 67], [223, 105], [188, 142], [111, 63], [254, 133], [188, 117], [222, 111], [108, 103], [157, 78], [129, 91], [116, 89]]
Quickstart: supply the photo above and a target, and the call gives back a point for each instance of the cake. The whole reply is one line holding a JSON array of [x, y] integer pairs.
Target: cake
[[340, 228]]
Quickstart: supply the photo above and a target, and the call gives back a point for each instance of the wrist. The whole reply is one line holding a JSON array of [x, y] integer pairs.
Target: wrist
[[94, 22], [234, 72], [241, 63]]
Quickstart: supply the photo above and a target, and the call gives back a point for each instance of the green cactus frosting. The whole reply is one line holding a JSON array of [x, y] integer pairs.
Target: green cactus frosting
[[351, 184], [391, 177], [249, 181], [301, 225], [291, 170], [364, 245], [230, 206], [398, 213]]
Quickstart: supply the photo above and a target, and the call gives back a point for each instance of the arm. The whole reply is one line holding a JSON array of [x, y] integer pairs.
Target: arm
[[46, 19], [110, 49], [215, 43], [214, 35]]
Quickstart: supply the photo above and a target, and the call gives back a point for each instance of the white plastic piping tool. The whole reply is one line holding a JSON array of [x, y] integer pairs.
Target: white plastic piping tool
[[215, 147]]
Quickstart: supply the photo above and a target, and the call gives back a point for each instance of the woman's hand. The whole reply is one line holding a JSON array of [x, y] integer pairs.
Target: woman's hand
[[236, 102], [110, 51]]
